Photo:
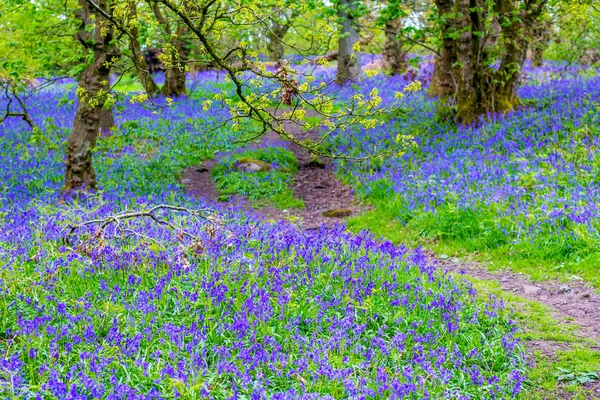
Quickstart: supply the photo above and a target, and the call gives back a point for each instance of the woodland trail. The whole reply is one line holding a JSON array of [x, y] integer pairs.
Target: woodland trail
[[573, 304]]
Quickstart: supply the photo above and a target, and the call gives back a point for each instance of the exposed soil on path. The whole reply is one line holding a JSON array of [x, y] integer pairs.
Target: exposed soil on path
[[315, 183], [574, 303]]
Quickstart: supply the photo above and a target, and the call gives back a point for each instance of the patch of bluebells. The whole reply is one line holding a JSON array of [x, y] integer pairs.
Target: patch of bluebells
[[249, 310], [535, 170]]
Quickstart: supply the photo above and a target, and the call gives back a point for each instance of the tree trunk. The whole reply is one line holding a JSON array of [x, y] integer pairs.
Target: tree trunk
[[348, 68], [538, 43], [333, 55], [107, 121], [444, 82], [176, 71], [481, 89], [394, 54], [107, 118], [79, 173], [141, 67], [274, 41]]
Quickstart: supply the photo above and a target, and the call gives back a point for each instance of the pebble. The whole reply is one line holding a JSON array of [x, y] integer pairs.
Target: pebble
[[531, 290], [564, 289]]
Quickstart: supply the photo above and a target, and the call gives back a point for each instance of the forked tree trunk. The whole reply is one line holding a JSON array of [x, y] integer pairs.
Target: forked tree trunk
[[141, 67], [175, 75], [394, 53], [79, 173], [480, 88], [348, 68]]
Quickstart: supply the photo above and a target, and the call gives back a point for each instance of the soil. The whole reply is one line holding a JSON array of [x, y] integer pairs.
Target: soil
[[574, 303], [315, 183]]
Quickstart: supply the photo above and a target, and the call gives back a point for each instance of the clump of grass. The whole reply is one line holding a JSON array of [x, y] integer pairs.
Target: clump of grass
[[270, 183]]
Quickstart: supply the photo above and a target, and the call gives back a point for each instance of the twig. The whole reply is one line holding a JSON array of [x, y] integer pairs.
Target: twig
[[117, 218]]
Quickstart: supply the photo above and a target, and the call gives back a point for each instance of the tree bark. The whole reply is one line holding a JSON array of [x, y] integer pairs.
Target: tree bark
[[177, 54], [443, 82], [79, 173], [107, 121], [279, 27], [349, 68], [176, 72], [538, 43], [394, 54], [141, 67], [480, 89], [275, 35], [333, 55]]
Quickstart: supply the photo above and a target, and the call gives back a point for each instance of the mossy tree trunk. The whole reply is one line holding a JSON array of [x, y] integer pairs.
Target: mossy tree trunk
[[478, 37], [92, 94], [348, 68]]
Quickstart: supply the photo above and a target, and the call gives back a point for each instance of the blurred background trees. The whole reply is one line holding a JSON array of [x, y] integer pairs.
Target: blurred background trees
[[479, 47]]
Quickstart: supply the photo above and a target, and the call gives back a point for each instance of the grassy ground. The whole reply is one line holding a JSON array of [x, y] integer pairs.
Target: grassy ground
[[462, 233], [270, 185], [564, 348]]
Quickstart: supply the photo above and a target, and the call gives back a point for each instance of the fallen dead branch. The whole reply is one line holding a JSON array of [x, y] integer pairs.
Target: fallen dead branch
[[204, 215]]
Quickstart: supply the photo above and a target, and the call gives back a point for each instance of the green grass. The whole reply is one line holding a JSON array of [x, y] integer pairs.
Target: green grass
[[272, 186], [462, 232], [568, 350], [387, 220]]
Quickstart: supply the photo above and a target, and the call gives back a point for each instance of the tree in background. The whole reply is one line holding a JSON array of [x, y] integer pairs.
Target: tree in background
[[349, 67], [540, 35], [176, 54], [95, 101], [484, 46], [280, 23], [394, 49], [139, 60]]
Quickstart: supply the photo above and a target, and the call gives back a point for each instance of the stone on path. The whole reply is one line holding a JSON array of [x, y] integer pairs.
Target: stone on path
[[337, 213], [564, 289], [252, 165], [531, 290]]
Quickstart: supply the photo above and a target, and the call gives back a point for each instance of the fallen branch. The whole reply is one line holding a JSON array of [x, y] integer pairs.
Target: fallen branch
[[203, 214]]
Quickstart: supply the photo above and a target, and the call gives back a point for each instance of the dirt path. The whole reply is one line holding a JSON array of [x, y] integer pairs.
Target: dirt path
[[315, 183], [574, 303]]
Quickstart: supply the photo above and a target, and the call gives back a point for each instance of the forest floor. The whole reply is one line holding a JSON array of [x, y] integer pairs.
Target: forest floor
[[560, 321]]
